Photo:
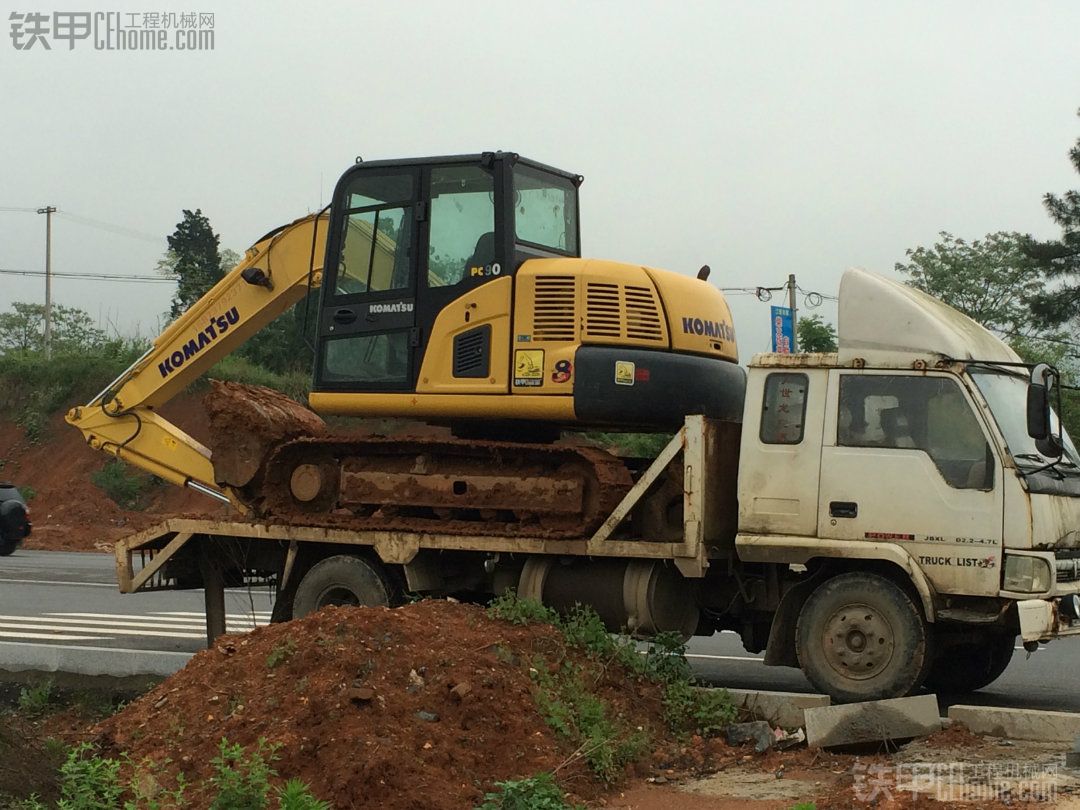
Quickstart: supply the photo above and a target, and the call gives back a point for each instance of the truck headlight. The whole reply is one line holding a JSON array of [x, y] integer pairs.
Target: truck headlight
[[1027, 574]]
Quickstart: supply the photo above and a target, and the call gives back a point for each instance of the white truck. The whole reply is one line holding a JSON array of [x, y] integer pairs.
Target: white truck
[[888, 518]]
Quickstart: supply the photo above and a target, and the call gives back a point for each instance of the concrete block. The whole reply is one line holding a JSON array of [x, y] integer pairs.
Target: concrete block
[[783, 709], [871, 722], [1019, 724]]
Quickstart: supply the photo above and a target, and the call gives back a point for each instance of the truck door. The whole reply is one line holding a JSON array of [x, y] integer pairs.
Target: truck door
[[367, 326], [906, 459], [780, 453]]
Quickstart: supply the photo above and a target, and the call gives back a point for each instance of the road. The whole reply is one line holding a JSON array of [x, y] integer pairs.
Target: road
[[62, 610]]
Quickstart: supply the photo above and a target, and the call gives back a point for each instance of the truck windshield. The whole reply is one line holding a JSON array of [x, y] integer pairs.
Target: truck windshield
[[1006, 394]]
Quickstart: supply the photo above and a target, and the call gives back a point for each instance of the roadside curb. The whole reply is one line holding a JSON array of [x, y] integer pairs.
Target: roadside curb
[[1018, 724], [783, 709], [89, 661]]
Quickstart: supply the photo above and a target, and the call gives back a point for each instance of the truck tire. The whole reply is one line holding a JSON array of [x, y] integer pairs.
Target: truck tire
[[342, 580], [7, 547], [860, 637], [977, 661]]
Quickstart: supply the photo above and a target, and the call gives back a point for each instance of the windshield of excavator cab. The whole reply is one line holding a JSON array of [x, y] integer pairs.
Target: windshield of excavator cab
[[545, 210], [1006, 394]]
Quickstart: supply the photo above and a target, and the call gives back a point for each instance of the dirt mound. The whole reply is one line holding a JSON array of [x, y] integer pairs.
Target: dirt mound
[[68, 511], [25, 766], [423, 706]]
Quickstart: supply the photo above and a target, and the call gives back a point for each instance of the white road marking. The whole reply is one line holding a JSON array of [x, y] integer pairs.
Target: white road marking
[[51, 637], [157, 617], [259, 614], [112, 631], [145, 621], [63, 582], [84, 648]]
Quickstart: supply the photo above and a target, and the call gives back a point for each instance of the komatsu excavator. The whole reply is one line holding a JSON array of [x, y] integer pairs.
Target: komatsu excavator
[[453, 291]]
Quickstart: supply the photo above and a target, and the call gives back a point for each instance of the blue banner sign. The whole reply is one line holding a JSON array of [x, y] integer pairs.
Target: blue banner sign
[[783, 331]]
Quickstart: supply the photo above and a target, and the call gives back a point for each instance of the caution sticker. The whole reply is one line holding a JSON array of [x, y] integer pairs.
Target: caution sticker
[[528, 368], [624, 372]]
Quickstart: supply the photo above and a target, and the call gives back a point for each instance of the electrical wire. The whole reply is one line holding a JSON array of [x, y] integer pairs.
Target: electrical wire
[[110, 227], [8, 209], [89, 276]]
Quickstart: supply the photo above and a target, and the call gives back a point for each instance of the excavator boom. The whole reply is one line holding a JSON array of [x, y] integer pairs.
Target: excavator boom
[[122, 420]]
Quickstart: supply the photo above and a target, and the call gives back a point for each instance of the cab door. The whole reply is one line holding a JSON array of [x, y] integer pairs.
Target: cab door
[[907, 460], [367, 326]]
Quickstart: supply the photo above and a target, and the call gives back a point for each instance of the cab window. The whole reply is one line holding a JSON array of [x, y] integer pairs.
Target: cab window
[[783, 413], [545, 210], [462, 240], [929, 414]]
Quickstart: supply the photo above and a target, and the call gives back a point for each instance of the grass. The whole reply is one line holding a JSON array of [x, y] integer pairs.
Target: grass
[[538, 792], [573, 710], [35, 700], [127, 488], [296, 385], [281, 653]]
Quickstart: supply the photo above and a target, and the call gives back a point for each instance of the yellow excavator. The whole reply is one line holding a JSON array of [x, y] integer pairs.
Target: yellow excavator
[[453, 291]]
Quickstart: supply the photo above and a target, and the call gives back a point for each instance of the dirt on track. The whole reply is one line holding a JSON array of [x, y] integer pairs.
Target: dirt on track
[[423, 706]]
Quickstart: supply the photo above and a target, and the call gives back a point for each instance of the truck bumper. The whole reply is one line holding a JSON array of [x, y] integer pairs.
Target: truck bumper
[[1042, 620]]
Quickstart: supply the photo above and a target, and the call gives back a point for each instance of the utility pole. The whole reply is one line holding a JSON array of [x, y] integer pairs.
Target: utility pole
[[48, 211], [794, 313]]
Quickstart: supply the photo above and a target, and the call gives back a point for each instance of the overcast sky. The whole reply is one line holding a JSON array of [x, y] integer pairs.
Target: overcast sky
[[760, 138]]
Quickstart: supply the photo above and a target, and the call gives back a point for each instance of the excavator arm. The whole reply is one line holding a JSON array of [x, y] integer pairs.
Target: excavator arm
[[123, 420]]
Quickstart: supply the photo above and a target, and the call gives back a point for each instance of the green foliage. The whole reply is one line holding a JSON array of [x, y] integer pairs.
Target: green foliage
[[992, 280], [128, 489], [89, 782], [242, 782], [631, 445], [28, 493], [35, 700], [704, 711], [1059, 260], [803, 806], [282, 346], [234, 368], [509, 608], [23, 329], [538, 792], [295, 795], [816, 335], [32, 387], [281, 653], [193, 258]]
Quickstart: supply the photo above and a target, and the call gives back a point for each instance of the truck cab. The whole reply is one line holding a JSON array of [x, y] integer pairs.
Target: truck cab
[[901, 473]]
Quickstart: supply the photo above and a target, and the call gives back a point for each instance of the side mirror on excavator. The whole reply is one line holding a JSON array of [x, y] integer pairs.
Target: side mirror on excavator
[[1039, 416]]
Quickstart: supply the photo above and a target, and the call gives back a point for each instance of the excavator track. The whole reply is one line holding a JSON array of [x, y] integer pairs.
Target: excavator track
[[447, 486]]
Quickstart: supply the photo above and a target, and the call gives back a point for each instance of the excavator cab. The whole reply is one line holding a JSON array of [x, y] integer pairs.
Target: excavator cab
[[409, 237]]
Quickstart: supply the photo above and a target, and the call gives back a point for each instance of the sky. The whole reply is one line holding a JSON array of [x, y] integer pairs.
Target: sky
[[760, 138]]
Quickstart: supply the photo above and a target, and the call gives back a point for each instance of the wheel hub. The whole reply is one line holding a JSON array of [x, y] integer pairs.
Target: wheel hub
[[858, 641]]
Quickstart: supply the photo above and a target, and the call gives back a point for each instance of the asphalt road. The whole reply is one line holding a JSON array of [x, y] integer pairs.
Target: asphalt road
[[61, 610]]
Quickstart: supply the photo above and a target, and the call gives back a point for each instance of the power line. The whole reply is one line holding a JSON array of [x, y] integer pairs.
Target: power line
[[89, 276], [110, 227], [9, 209]]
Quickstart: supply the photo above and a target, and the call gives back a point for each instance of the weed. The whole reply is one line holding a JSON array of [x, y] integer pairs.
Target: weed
[[56, 750], [28, 493], [281, 653], [89, 782], [35, 700], [126, 488], [295, 795], [521, 611], [234, 368], [538, 792], [804, 806], [704, 711], [242, 783]]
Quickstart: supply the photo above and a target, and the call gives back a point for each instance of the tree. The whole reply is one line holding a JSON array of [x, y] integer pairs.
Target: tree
[[23, 329], [1059, 260], [816, 335], [193, 258], [992, 280]]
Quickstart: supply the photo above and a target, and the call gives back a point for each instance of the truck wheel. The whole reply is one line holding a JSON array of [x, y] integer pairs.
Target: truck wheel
[[342, 580], [977, 661], [859, 637], [7, 547]]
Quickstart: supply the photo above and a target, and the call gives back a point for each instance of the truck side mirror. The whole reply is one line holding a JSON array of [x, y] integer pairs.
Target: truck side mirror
[[1039, 423]]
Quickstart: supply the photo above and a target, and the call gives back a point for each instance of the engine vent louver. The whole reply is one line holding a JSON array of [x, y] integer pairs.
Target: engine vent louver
[[622, 311], [472, 352], [554, 316]]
